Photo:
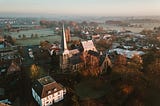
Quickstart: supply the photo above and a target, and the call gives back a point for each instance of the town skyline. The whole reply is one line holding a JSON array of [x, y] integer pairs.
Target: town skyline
[[80, 7]]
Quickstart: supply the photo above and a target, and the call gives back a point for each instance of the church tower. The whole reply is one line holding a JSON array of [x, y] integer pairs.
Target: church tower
[[64, 53]]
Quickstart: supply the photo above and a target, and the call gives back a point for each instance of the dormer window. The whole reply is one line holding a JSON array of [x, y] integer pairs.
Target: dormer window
[[49, 92], [55, 89]]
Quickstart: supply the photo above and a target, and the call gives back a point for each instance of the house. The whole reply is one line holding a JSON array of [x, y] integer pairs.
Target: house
[[5, 102], [9, 54], [127, 53], [47, 91], [11, 68], [14, 67]]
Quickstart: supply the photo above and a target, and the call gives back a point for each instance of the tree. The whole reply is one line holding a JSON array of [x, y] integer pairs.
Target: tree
[[45, 45], [19, 36], [24, 36], [34, 71], [121, 60], [146, 32], [32, 35], [136, 63], [103, 44], [9, 39], [75, 100], [91, 65], [153, 72], [36, 35]]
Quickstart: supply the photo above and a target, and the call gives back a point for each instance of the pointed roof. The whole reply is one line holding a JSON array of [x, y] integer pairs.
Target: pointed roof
[[88, 45], [13, 68], [63, 41]]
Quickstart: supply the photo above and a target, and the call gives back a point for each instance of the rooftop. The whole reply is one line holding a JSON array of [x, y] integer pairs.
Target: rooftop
[[46, 86], [46, 80]]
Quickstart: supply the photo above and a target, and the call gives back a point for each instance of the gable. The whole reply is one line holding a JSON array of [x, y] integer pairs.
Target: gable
[[13, 68], [88, 45]]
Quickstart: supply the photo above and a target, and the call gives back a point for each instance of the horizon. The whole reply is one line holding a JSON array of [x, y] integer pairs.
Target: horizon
[[80, 8]]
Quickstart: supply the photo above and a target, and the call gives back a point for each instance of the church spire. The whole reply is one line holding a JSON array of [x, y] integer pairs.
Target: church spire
[[63, 40]]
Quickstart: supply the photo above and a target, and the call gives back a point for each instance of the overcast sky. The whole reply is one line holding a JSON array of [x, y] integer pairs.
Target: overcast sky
[[82, 7]]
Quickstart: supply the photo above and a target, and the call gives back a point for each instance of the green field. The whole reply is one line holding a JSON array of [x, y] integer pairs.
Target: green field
[[28, 33], [149, 26], [42, 35], [36, 41]]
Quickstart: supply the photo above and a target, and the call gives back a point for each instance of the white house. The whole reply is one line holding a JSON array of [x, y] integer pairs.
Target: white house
[[47, 91]]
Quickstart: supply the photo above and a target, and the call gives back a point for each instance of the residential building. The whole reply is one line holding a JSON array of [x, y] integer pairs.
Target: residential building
[[127, 53], [47, 91]]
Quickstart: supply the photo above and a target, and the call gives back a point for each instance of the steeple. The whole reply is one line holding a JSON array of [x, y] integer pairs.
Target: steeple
[[64, 57], [63, 41]]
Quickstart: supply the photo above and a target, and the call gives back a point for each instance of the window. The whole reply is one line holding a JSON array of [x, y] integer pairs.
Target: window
[[59, 98], [55, 89], [49, 92], [59, 93], [47, 102]]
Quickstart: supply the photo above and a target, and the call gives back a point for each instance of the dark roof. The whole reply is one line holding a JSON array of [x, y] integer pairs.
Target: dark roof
[[75, 59], [46, 86], [1, 91], [46, 80], [101, 59], [91, 52]]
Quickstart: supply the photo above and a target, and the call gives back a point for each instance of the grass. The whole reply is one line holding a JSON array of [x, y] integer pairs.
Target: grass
[[36, 41], [92, 88]]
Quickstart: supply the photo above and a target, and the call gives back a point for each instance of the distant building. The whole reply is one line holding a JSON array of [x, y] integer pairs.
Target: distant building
[[10, 58], [128, 53], [7, 20], [14, 67], [47, 91], [9, 54]]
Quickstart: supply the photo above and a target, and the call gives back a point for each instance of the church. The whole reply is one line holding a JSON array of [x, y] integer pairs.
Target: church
[[75, 59]]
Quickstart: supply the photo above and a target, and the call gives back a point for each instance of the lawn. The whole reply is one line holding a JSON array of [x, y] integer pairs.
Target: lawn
[[36, 41], [91, 89]]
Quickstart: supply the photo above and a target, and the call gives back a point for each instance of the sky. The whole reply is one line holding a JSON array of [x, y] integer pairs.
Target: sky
[[82, 7]]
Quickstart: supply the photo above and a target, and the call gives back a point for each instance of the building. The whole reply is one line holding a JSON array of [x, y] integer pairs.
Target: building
[[9, 54], [10, 59], [47, 91], [14, 67], [68, 34], [127, 53], [71, 59], [64, 53], [74, 60]]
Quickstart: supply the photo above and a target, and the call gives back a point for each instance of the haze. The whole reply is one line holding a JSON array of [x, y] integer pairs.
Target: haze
[[82, 7]]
